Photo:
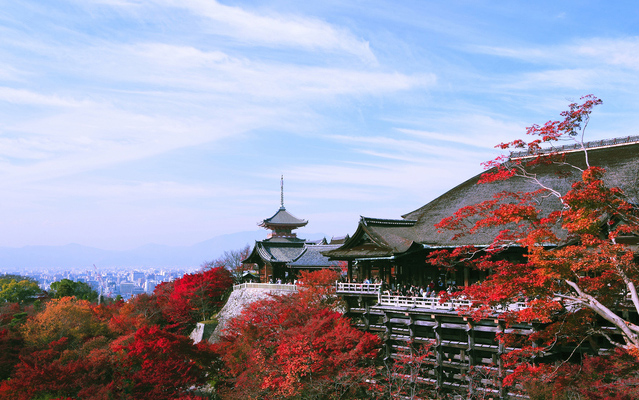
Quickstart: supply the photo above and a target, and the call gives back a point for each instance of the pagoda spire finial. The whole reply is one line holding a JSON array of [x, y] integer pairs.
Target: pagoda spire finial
[[282, 191]]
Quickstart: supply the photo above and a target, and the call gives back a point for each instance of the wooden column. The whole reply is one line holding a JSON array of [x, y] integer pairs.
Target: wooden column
[[387, 334], [500, 352], [439, 357], [470, 354]]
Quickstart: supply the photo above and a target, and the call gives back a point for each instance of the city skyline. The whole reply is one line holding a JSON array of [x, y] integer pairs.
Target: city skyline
[[131, 122]]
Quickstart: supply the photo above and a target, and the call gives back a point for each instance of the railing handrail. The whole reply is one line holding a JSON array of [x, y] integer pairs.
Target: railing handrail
[[358, 287], [429, 302], [270, 286], [435, 303], [423, 302]]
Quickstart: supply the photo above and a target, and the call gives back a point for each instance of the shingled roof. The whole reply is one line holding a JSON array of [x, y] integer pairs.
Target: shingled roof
[[620, 161], [377, 237], [283, 218], [312, 257], [275, 251], [385, 238]]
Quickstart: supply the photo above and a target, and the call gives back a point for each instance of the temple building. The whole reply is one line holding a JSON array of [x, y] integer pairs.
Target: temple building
[[465, 358], [396, 249], [282, 254]]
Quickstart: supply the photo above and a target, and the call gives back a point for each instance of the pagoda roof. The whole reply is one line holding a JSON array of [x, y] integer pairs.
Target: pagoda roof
[[275, 251], [295, 253], [283, 218]]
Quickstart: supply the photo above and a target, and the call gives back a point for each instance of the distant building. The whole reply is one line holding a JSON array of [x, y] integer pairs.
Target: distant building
[[149, 286], [126, 288]]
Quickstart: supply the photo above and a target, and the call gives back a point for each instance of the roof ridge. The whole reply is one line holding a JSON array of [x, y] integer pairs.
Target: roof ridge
[[569, 148], [388, 221]]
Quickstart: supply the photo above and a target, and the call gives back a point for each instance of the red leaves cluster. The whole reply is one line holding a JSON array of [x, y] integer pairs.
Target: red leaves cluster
[[575, 121], [295, 345], [157, 364], [608, 377], [73, 349], [194, 297], [573, 264]]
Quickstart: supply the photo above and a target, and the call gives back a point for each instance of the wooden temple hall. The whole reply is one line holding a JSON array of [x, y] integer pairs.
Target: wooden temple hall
[[394, 251], [465, 358]]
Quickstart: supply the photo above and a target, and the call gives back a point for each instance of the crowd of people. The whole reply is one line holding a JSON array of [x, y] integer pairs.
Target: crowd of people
[[431, 290]]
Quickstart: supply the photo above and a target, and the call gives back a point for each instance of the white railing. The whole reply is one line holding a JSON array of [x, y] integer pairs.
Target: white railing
[[269, 286], [435, 303], [359, 288], [432, 303]]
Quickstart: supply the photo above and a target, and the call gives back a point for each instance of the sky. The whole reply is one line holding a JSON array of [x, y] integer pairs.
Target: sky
[[128, 122]]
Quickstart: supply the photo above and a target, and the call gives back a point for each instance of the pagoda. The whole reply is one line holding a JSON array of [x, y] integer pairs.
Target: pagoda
[[282, 223], [282, 253]]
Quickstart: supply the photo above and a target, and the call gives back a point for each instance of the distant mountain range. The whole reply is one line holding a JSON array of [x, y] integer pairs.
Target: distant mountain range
[[75, 256]]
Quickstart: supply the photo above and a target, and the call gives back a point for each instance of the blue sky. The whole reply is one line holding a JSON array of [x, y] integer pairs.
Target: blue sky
[[126, 122]]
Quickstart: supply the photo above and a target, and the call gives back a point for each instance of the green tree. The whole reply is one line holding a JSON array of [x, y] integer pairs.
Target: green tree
[[18, 290], [69, 288]]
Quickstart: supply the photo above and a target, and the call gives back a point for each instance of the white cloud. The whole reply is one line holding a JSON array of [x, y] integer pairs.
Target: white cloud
[[28, 97], [270, 29], [623, 52], [278, 29], [188, 68], [573, 79]]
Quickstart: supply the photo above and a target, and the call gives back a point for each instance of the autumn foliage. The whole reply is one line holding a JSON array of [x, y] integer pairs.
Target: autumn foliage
[[70, 348], [296, 346], [574, 271], [194, 297]]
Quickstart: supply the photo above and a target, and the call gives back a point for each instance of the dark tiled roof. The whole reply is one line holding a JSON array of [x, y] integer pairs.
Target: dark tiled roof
[[284, 219], [383, 237], [295, 253], [620, 162], [312, 257], [339, 239], [275, 252], [376, 238]]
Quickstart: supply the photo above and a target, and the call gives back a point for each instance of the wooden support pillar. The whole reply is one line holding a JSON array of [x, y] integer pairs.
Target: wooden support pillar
[[349, 273], [470, 354], [500, 368], [387, 334], [367, 316], [439, 356], [466, 276], [411, 328]]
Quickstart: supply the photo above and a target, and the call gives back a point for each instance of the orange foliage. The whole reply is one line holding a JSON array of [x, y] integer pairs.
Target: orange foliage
[[63, 318]]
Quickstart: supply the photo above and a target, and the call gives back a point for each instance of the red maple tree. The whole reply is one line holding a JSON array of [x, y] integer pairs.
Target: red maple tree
[[194, 297], [156, 364], [295, 345], [576, 268]]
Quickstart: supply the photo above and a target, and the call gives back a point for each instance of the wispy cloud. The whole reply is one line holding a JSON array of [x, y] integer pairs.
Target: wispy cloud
[[29, 97], [266, 27], [274, 29], [622, 52], [189, 68]]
